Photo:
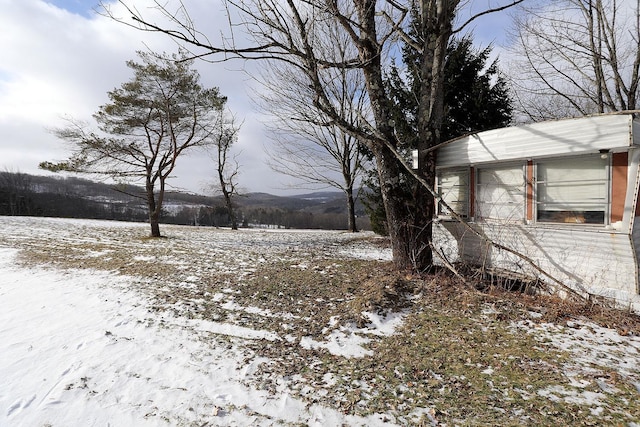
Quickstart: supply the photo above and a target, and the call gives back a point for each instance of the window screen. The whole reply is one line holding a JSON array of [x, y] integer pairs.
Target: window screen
[[500, 193], [572, 190], [453, 187]]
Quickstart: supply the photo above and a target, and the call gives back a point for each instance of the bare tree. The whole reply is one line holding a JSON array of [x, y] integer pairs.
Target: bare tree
[[150, 122], [296, 32], [227, 169], [305, 145], [577, 57], [327, 158]]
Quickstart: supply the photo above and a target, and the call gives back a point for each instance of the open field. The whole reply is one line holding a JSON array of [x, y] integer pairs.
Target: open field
[[100, 325]]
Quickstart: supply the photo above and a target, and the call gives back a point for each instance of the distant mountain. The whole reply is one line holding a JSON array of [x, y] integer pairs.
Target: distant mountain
[[23, 194], [318, 202]]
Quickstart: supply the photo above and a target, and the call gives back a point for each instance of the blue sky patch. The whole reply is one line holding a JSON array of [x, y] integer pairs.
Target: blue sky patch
[[80, 7]]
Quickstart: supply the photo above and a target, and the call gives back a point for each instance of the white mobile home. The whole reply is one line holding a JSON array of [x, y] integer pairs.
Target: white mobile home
[[563, 193]]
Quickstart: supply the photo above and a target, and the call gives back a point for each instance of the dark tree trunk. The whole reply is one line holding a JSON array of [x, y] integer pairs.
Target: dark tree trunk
[[230, 209], [154, 211], [416, 230], [408, 222], [351, 211], [227, 187], [407, 244], [155, 226]]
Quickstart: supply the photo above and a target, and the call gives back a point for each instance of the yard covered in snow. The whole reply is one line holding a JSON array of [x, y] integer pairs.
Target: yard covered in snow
[[100, 325]]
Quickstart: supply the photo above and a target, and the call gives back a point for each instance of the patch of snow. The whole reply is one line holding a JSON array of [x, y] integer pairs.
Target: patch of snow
[[559, 393], [329, 379], [144, 258], [348, 341], [340, 343], [594, 351], [382, 254], [233, 306], [82, 347], [383, 325], [591, 345], [79, 348], [97, 254], [228, 329], [420, 413]]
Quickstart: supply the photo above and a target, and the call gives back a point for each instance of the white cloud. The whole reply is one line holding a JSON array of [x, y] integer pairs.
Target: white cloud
[[58, 63]]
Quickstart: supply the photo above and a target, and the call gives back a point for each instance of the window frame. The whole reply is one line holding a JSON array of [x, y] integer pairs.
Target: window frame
[[496, 166], [607, 193], [439, 208]]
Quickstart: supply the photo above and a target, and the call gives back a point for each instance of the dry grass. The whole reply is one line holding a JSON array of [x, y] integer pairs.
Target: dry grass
[[457, 359], [457, 353]]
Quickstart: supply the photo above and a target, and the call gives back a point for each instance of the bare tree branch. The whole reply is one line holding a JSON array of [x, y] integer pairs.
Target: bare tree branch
[[295, 33], [583, 53], [487, 12]]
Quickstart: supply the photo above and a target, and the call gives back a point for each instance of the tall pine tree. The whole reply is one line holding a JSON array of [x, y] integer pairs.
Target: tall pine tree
[[476, 99]]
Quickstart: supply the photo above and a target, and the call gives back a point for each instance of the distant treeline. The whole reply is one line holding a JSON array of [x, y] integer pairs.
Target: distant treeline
[[71, 197]]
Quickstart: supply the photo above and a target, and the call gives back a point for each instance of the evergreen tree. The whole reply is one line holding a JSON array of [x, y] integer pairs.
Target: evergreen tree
[[476, 99]]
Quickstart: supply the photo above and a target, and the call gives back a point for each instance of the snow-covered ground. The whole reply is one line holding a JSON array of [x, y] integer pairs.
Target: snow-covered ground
[[81, 348], [85, 347]]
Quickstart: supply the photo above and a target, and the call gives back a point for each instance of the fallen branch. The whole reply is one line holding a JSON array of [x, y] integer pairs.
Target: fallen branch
[[446, 262]]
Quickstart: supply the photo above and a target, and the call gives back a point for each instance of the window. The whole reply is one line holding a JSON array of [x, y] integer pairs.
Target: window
[[453, 187], [500, 193], [573, 190]]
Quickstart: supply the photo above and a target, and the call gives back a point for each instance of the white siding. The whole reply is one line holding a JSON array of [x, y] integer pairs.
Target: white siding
[[601, 262], [633, 189], [547, 139], [635, 130], [635, 239]]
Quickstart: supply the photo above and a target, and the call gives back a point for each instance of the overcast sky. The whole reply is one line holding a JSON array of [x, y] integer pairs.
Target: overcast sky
[[59, 58]]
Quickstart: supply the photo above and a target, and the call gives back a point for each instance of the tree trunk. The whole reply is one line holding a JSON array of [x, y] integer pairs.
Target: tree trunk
[[229, 204], [409, 229], [155, 226], [154, 211], [232, 214], [226, 186], [351, 211], [408, 223]]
